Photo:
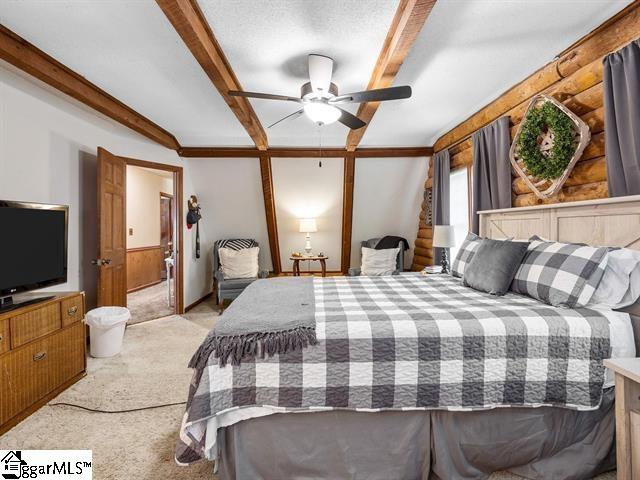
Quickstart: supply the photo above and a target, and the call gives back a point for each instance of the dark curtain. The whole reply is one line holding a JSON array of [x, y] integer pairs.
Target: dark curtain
[[622, 120], [491, 169], [441, 167]]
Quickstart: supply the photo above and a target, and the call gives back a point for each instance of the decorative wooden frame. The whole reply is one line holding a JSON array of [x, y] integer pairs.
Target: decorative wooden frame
[[543, 188]]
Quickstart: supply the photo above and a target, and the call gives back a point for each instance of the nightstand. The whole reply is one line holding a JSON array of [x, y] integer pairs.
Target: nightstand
[[296, 263], [627, 373]]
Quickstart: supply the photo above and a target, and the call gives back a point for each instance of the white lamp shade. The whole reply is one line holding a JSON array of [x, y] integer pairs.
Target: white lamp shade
[[444, 236], [308, 225]]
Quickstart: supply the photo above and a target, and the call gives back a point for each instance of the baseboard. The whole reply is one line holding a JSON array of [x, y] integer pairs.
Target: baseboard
[[142, 287], [198, 302]]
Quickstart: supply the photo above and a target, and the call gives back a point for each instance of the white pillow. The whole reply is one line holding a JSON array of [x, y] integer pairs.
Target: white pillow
[[378, 262], [620, 284], [239, 263]]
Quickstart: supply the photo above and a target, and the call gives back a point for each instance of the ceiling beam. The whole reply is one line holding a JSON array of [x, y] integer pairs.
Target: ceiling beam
[[347, 211], [270, 212], [303, 152], [28, 58], [377, 152], [190, 23], [405, 27]]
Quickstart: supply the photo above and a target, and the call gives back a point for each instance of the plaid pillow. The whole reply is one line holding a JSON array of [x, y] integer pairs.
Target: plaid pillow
[[465, 254], [560, 274]]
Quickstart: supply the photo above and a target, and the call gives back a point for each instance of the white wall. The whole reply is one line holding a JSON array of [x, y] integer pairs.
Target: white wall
[[48, 146], [304, 190], [387, 196], [143, 206], [229, 191]]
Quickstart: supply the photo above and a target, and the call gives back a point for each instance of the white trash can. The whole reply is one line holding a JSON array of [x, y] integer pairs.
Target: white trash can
[[107, 326]]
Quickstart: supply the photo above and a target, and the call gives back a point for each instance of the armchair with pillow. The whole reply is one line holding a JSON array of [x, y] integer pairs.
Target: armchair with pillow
[[376, 259], [235, 266]]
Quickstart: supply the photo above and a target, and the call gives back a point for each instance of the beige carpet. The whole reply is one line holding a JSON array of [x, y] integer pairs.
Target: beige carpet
[[149, 303], [150, 370]]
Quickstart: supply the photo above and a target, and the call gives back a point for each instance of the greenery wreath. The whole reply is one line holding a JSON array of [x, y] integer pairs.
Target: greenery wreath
[[538, 121]]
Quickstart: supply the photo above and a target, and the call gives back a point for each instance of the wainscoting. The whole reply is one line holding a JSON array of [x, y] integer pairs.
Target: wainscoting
[[144, 267]]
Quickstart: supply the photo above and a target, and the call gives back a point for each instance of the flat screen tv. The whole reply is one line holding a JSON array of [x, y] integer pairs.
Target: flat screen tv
[[33, 247]]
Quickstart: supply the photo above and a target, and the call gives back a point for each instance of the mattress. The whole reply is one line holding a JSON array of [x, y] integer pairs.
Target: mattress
[[621, 342]]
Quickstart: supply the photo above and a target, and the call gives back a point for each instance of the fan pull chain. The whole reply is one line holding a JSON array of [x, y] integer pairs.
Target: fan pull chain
[[320, 134]]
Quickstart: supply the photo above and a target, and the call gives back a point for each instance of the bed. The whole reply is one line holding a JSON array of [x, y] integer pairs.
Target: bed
[[379, 395]]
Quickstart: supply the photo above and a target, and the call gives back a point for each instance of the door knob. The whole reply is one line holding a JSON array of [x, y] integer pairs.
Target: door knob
[[100, 261]]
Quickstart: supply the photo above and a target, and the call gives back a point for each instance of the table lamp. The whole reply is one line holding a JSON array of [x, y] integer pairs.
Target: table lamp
[[444, 237], [308, 225]]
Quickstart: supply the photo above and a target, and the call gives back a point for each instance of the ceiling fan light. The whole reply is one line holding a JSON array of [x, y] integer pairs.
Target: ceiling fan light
[[321, 112]]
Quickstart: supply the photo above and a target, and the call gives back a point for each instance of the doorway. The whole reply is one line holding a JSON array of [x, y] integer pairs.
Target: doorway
[[166, 229], [139, 232], [149, 243]]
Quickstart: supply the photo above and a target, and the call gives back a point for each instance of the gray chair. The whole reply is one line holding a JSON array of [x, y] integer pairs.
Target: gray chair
[[230, 288], [371, 243]]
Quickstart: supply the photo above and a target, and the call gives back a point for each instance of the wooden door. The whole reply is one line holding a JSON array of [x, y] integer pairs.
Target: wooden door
[[166, 229], [112, 241]]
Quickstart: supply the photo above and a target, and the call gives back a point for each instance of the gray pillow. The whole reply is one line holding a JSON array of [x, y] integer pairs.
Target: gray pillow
[[494, 265]]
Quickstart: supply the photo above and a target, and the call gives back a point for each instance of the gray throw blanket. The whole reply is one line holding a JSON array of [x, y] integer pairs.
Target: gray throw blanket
[[272, 316]]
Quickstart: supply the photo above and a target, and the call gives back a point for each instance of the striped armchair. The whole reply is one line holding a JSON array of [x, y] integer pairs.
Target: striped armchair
[[230, 288]]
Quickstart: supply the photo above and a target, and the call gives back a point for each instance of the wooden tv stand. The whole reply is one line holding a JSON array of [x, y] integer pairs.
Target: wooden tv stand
[[42, 353]]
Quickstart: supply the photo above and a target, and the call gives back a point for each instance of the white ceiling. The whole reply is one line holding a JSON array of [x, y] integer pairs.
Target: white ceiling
[[466, 55], [469, 52], [129, 49], [267, 43]]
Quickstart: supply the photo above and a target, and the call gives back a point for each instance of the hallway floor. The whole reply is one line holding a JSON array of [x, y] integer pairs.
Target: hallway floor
[[149, 303]]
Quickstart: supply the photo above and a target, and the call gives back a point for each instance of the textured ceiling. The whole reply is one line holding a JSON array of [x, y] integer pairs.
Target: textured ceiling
[[267, 43], [130, 50], [469, 52]]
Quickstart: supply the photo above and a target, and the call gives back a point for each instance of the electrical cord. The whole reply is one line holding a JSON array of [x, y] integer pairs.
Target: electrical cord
[[95, 410]]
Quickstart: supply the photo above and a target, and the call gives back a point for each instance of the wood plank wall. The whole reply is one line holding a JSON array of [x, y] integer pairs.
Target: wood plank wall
[[574, 78], [144, 267]]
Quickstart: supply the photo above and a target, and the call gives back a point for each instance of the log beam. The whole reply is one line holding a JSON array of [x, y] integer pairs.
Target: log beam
[[303, 152], [405, 27], [190, 23], [270, 212], [25, 56], [347, 211], [589, 191]]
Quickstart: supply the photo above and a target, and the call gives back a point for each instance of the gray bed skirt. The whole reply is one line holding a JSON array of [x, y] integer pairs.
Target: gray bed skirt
[[538, 443]]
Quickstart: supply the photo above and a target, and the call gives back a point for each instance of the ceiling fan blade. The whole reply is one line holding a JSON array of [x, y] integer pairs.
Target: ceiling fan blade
[[350, 120], [291, 115], [265, 96], [320, 72], [378, 95]]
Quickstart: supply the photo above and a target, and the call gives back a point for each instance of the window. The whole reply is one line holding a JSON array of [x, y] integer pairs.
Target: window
[[459, 206]]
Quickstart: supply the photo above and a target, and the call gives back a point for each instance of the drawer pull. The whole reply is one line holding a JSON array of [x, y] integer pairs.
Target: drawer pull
[[72, 311], [39, 356]]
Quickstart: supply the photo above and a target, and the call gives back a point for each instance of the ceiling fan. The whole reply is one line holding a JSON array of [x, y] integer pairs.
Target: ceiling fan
[[320, 99]]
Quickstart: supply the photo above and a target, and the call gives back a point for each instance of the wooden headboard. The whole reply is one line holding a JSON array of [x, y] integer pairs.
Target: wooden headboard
[[612, 222]]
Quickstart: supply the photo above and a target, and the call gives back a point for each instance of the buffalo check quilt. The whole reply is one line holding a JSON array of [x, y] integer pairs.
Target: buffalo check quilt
[[411, 342]]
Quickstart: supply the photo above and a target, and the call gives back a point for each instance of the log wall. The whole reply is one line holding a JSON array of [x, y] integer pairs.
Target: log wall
[[575, 79]]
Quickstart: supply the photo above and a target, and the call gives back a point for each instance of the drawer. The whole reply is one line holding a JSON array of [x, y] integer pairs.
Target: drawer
[[71, 310], [4, 336], [31, 372], [35, 324]]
